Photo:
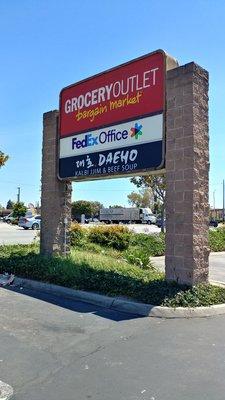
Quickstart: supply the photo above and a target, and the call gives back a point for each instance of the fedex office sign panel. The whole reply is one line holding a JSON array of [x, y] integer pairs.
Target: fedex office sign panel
[[131, 90]]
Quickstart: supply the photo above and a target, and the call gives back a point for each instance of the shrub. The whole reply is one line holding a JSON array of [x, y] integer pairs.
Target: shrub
[[14, 221], [117, 236], [19, 210], [217, 239], [153, 244], [199, 295], [77, 234], [100, 273], [138, 256]]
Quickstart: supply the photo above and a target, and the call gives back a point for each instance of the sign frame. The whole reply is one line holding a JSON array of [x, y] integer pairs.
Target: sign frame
[[147, 171]]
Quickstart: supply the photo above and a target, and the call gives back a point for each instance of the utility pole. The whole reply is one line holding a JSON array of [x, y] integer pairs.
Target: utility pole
[[214, 203], [223, 203], [18, 195]]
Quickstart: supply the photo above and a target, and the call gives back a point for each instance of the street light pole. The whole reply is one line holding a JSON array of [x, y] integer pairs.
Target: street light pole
[[214, 202], [18, 195], [223, 202]]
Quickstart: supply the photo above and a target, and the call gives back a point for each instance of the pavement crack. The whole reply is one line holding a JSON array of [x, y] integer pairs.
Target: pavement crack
[[99, 348], [50, 375]]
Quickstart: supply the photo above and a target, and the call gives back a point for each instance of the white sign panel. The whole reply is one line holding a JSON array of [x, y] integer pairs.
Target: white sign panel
[[141, 131]]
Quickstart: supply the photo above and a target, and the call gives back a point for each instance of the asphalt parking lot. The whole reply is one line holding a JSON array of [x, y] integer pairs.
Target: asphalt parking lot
[[58, 349], [13, 234], [55, 348]]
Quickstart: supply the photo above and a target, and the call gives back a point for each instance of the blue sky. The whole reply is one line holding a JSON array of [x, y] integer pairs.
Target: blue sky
[[47, 45]]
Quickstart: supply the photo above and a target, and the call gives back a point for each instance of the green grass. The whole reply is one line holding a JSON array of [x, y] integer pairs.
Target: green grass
[[217, 239], [105, 272], [154, 243], [117, 241]]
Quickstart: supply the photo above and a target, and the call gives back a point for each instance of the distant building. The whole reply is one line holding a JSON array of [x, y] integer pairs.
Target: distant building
[[4, 212], [216, 213]]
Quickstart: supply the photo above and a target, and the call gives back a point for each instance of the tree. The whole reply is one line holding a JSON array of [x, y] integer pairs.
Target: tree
[[95, 207], [134, 199], [3, 158], [89, 208], [9, 204], [142, 199], [19, 210], [157, 183], [116, 206]]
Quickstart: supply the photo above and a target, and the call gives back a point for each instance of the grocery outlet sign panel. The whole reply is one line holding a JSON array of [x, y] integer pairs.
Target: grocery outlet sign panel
[[112, 124]]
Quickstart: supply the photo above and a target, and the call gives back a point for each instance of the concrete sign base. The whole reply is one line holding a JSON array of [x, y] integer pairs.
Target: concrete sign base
[[55, 196], [187, 166]]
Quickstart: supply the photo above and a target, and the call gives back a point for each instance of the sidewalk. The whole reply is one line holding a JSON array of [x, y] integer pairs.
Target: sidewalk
[[216, 265]]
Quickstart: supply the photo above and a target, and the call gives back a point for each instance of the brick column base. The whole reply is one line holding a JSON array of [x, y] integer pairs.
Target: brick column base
[[187, 165], [55, 195]]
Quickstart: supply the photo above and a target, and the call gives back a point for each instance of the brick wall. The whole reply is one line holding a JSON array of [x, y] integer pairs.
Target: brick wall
[[187, 164], [56, 195]]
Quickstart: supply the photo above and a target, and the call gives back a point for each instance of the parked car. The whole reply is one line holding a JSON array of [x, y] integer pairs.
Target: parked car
[[213, 222], [159, 221], [87, 220], [33, 222], [9, 219]]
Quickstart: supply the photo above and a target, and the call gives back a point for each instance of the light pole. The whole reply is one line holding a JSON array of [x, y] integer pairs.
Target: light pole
[[18, 195], [214, 203], [223, 202]]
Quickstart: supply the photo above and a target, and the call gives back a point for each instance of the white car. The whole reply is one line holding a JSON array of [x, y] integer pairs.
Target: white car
[[33, 222]]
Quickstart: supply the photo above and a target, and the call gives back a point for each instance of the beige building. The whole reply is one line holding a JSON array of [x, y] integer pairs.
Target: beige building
[[216, 213]]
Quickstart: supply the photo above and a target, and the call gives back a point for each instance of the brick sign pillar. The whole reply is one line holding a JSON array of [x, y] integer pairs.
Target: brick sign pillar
[[187, 165], [55, 195]]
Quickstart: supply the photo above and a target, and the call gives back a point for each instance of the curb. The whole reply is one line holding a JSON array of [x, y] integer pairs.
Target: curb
[[6, 391], [128, 306], [217, 283]]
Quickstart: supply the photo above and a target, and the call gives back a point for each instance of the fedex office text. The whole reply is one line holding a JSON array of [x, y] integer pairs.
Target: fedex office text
[[110, 136]]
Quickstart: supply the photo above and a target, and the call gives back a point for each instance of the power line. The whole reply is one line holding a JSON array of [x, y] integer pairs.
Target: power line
[[103, 190], [78, 189], [16, 183]]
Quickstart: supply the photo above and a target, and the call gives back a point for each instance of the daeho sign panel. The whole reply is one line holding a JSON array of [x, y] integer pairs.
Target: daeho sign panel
[[111, 116]]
